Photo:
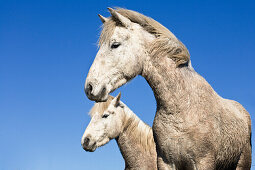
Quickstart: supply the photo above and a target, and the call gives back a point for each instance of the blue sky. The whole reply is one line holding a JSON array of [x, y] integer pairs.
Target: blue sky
[[47, 47]]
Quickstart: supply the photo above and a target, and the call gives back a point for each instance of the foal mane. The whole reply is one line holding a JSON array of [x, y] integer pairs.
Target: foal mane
[[165, 43], [139, 131]]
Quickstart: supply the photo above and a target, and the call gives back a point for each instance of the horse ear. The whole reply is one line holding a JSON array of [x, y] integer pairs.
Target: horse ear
[[116, 100], [103, 19], [123, 20]]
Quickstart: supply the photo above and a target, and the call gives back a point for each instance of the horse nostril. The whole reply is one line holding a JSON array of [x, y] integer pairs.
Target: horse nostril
[[86, 141], [88, 89]]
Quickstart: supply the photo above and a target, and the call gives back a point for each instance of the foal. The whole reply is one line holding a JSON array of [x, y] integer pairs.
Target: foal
[[114, 120]]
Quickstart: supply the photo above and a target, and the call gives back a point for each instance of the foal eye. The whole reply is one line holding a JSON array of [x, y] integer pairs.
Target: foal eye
[[105, 116], [115, 45]]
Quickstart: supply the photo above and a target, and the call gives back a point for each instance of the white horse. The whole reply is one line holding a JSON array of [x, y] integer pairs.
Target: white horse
[[114, 120], [194, 128]]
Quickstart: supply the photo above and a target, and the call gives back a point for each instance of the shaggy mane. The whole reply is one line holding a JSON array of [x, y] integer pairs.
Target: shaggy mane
[[165, 43], [139, 131]]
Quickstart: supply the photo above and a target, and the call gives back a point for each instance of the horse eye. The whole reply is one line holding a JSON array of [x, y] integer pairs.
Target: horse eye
[[105, 116], [115, 45]]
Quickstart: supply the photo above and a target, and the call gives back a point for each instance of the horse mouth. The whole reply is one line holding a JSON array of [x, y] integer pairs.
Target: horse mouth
[[91, 148], [102, 96]]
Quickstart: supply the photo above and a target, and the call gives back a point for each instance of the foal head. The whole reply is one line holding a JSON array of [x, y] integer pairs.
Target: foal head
[[127, 41], [106, 124]]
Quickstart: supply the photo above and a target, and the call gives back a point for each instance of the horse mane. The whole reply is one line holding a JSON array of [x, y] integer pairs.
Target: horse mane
[[165, 43], [135, 127], [139, 131]]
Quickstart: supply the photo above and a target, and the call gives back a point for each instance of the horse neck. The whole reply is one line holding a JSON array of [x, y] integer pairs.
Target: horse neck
[[175, 89], [136, 142]]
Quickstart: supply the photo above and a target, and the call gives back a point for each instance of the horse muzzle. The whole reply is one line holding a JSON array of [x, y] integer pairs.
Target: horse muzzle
[[88, 145], [96, 92]]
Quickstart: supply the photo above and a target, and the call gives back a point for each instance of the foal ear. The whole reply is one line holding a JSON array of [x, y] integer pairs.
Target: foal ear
[[123, 20], [116, 100], [103, 19]]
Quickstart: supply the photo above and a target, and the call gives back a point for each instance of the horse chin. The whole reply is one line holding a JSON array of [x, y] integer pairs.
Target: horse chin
[[93, 149], [117, 85], [103, 142]]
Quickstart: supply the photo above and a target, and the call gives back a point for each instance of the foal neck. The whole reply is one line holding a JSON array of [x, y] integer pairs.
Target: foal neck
[[136, 143]]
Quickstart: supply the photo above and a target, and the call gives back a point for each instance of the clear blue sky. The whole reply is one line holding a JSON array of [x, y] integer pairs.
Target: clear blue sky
[[47, 47]]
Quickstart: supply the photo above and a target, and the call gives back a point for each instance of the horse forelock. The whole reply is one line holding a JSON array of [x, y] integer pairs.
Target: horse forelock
[[165, 43], [100, 107]]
